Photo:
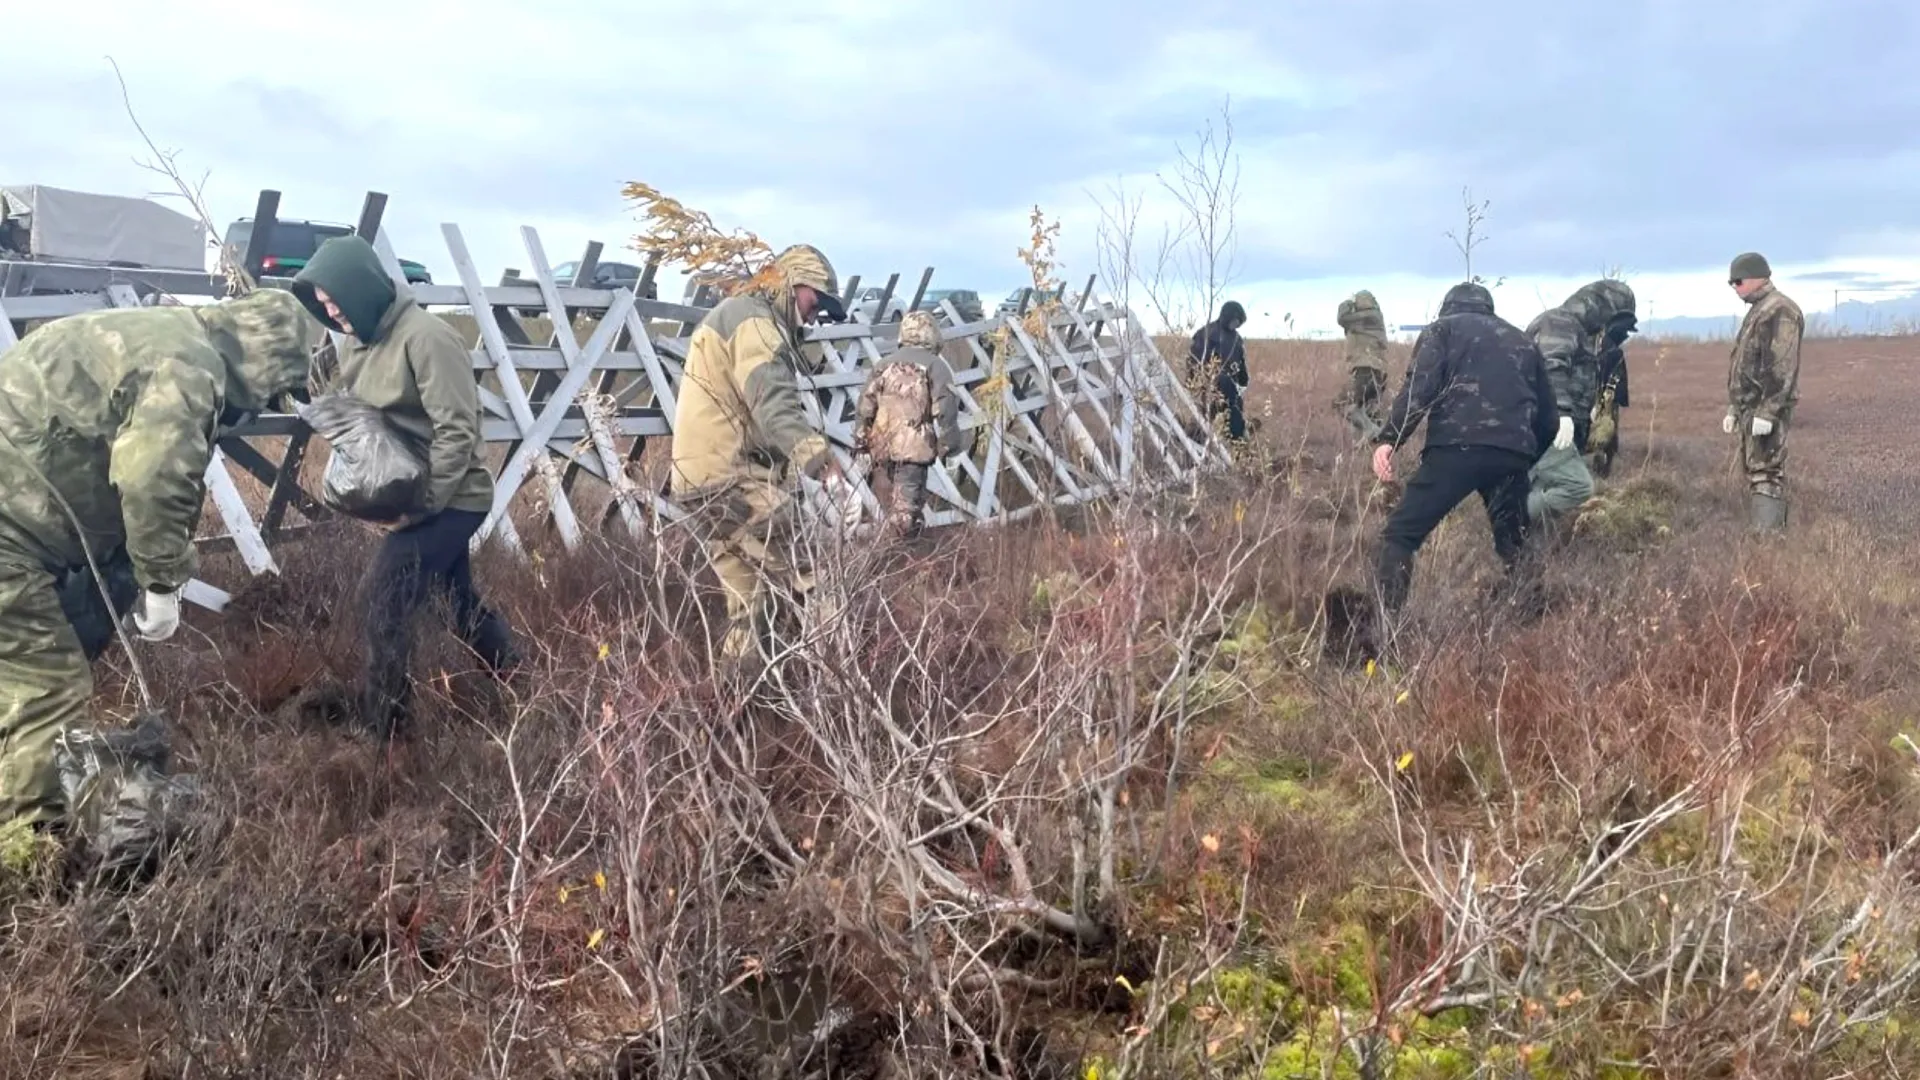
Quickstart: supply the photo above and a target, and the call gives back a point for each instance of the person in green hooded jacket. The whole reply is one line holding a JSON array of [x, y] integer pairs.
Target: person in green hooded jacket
[[108, 422], [412, 367]]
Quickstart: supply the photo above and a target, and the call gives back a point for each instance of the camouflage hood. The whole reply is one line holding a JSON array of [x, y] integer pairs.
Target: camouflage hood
[[1360, 314], [1596, 303], [803, 264], [267, 342]]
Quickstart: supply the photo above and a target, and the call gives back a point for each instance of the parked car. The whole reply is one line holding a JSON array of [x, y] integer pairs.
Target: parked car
[[294, 242], [1011, 304], [965, 301], [867, 305], [607, 275]]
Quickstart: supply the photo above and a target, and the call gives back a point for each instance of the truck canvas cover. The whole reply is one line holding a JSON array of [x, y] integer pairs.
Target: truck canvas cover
[[78, 226]]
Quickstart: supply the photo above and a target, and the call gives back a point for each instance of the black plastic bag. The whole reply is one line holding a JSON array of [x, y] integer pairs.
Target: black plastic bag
[[372, 472], [125, 806]]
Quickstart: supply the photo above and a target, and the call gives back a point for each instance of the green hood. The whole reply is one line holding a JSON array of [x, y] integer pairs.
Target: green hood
[[349, 270], [267, 342]]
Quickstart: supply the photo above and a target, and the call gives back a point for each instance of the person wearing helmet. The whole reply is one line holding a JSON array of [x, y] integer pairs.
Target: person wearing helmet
[[108, 422], [742, 440]]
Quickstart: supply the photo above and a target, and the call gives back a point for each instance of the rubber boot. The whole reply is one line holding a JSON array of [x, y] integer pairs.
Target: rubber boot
[[492, 638], [1767, 513]]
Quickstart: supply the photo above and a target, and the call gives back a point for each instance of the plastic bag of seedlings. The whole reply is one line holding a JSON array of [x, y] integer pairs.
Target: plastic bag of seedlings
[[124, 808], [373, 473]]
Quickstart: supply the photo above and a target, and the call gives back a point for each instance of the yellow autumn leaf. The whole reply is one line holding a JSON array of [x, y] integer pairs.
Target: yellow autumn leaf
[[1402, 699], [1210, 842], [564, 890], [1405, 760], [1239, 512], [600, 881], [594, 939], [605, 650], [1752, 981], [1801, 1017], [1371, 668]]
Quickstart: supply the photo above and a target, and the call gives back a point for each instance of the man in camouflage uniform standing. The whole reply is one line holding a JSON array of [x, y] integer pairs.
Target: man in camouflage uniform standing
[[1763, 383], [1366, 330], [107, 424], [909, 416], [741, 441]]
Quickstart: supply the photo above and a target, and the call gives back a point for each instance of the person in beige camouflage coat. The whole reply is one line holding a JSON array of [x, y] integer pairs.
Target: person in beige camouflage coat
[[908, 417]]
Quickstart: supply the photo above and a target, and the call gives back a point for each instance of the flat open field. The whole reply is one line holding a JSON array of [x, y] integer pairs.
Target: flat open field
[[1856, 398]]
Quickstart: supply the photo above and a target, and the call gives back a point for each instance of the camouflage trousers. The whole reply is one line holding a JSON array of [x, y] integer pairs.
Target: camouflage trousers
[[907, 497], [46, 686], [1764, 457], [1363, 402], [1560, 483], [754, 532]]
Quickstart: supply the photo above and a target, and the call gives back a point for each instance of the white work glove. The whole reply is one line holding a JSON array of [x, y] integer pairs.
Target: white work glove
[[1564, 440], [842, 504], [158, 615], [1762, 426], [1726, 425]]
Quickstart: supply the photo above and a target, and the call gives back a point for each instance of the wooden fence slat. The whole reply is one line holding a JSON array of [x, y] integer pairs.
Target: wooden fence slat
[[511, 389]]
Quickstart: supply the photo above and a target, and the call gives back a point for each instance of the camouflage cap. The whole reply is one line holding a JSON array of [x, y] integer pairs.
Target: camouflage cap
[[803, 264], [920, 329], [1751, 264]]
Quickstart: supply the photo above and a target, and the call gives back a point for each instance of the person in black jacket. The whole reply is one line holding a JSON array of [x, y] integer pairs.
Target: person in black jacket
[[1481, 386], [1220, 356]]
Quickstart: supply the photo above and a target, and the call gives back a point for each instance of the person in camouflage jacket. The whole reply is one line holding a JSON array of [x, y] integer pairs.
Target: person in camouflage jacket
[[1568, 337], [1365, 327], [1763, 385], [1481, 388], [1599, 436], [742, 440], [909, 416], [107, 425]]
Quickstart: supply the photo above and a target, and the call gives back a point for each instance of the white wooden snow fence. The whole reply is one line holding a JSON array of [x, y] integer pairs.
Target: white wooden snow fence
[[1082, 409]]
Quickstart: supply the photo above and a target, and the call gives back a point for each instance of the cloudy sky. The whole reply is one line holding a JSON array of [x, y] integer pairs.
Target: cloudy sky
[[1658, 138]]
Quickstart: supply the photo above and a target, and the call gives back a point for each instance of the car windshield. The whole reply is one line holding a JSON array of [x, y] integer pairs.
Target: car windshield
[[565, 269]]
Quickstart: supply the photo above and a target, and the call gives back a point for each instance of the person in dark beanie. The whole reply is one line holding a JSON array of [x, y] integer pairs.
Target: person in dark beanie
[[1480, 384], [1219, 356], [1763, 384]]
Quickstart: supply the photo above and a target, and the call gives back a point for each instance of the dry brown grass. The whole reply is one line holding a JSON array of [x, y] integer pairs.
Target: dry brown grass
[[400, 913]]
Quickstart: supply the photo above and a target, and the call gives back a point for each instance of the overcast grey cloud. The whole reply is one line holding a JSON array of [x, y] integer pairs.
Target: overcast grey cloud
[[1656, 136]]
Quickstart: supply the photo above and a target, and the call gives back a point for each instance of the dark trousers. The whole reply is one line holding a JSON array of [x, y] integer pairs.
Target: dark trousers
[[1447, 475], [411, 566], [1226, 398]]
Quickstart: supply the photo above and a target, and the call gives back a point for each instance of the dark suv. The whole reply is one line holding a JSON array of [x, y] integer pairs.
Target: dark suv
[[294, 242], [965, 301]]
